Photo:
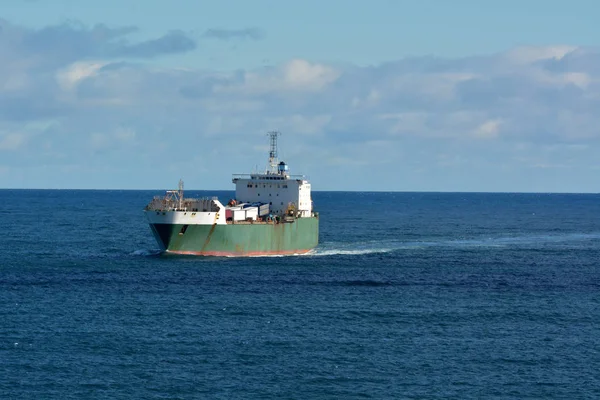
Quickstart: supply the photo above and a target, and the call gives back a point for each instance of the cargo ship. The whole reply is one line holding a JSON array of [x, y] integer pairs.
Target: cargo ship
[[271, 214]]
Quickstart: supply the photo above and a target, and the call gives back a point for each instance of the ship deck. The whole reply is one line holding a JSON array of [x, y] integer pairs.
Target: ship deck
[[256, 222]]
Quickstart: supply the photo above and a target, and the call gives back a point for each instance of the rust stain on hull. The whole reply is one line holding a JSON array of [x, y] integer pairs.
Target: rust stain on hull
[[207, 241]]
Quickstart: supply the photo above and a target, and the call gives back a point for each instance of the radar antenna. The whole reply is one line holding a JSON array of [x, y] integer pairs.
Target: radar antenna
[[273, 152]]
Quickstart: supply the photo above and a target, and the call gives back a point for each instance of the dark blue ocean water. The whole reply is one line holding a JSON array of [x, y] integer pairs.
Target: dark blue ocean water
[[409, 295]]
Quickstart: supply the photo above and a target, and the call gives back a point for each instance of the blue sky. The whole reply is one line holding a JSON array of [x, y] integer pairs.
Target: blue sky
[[380, 95]]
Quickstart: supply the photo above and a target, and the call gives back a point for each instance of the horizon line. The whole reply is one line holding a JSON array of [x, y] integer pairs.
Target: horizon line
[[314, 191]]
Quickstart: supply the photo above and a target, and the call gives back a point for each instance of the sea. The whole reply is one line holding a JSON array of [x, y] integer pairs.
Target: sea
[[407, 296]]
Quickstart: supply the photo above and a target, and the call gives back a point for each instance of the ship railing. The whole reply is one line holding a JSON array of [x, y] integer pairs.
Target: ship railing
[[184, 209], [267, 176], [190, 204], [190, 198]]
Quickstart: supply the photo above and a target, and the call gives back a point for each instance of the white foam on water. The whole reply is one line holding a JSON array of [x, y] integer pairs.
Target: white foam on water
[[332, 249], [346, 252], [507, 241], [145, 252], [352, 249]]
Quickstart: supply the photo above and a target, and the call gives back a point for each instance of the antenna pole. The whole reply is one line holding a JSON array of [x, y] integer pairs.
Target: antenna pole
[[273, 152], [180, 193]]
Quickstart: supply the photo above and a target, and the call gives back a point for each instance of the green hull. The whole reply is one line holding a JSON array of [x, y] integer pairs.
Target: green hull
[[245, 239]]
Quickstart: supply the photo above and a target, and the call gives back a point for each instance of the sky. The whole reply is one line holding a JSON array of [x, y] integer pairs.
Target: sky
[[379, 95]]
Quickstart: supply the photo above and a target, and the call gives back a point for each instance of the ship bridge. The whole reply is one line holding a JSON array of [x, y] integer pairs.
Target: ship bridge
[[282, 191]]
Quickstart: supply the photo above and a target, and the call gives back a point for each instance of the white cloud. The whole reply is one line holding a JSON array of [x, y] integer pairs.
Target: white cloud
[[69, 77], [124, 134], [99, 141], [531, 54], [14, 82], [219, 124], [295, 76], [580, 79], [11, 141], [300, 74], [435, 86], [120, 136], [372, 99], [412, 122], [427, 109], [488, 130], [299, 123]]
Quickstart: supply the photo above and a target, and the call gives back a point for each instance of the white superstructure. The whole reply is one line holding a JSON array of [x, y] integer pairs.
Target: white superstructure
[[173, 208], [260, 198], [283, 192]]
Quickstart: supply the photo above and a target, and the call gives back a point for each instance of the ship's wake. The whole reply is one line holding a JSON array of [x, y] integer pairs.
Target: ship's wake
[[326, 249], [345, 252], [499, 242]]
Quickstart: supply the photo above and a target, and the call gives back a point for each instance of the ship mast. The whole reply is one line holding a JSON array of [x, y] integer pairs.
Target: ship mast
[[180, 193], [273, 152]]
